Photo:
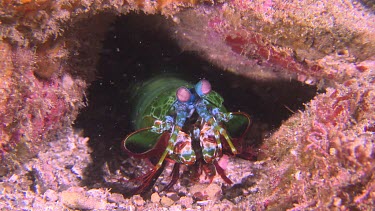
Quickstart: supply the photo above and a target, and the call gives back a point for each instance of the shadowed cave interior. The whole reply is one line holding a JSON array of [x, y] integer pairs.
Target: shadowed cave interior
[[138, 47]]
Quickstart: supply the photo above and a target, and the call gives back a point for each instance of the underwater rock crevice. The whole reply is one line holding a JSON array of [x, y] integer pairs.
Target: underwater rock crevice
[[139, 47], [48, 56]]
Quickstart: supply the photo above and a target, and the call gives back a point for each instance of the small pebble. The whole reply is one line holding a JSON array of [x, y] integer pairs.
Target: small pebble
[[214, 192], [78, 171], [115, 198], [51, 195], [173, 196], [202, 203], [186, 201], [199, 196], [138, 200], [155, 198], [78, 200], [167, 202]]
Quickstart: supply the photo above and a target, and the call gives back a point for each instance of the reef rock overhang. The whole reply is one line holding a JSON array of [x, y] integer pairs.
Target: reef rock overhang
[[49, 50]]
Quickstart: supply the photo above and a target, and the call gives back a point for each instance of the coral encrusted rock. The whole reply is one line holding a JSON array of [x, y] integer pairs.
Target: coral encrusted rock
[[319, 158]]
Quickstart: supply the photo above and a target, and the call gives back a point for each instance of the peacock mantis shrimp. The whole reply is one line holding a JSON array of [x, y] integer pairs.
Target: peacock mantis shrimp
[[182, 123]]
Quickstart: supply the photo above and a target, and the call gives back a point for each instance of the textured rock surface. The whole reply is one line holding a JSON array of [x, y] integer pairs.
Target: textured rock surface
[[54, 180], [324, 156], [321, 157]]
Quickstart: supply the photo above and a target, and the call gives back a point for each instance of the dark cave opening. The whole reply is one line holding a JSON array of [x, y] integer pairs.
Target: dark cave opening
[[138, 47]]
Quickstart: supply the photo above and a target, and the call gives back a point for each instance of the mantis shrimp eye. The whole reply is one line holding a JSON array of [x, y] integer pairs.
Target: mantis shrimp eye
[[203, 87], [183, 94]]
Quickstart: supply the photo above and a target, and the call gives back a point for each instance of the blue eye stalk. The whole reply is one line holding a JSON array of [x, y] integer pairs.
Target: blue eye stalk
[[190, 99], [203, 87], [164, 138]]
